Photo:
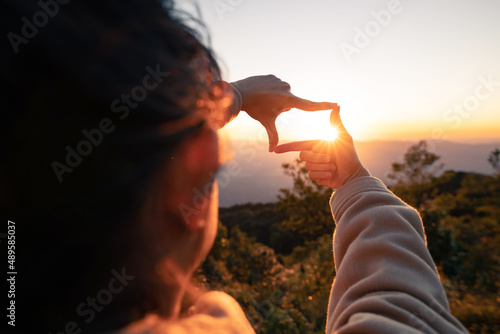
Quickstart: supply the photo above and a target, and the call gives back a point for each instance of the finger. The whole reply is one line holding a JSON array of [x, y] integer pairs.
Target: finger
[[336, 122], [322, 146], [318, 158], [323, 182], [303, 104], [296, 146], [272, 133], [320, 167], [319, 175]]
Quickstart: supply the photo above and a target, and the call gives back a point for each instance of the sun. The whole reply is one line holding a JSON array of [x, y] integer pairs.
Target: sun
[[300, 126], [320, 130], [330, 134]]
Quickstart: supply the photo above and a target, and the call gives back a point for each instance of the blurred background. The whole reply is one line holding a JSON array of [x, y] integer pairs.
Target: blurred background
[[418, 83], [401, 70]]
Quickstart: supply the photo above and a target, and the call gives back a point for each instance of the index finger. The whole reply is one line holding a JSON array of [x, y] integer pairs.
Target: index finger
[[296, 146], [303, 104]]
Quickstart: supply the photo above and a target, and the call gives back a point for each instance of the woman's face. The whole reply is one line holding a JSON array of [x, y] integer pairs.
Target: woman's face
[[203, 161], [211, 221]]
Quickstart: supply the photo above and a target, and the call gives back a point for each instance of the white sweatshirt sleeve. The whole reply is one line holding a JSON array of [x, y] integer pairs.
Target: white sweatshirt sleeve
[[386, 280]]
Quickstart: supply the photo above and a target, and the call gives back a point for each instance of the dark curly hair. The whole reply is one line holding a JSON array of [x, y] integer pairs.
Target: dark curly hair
[[88, 90]]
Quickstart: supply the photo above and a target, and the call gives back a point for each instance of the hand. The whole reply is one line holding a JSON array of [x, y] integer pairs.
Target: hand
[[265, 97], [331, 164]]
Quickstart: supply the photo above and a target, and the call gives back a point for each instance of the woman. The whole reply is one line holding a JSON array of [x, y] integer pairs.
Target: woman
[[109, 136], [108, 129]]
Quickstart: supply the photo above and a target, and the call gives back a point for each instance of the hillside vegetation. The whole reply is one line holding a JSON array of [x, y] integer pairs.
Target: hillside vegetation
[[276, 259]]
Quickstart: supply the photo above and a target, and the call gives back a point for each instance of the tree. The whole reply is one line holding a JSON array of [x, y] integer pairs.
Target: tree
[[494, 160], [417, 165], [289, 293], [412, 176], [306, 205]]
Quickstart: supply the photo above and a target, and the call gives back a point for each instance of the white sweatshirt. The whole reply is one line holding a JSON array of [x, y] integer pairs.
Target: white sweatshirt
[[386, 280]]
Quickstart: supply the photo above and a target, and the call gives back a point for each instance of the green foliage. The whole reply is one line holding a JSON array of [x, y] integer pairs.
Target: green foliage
[[306, 205], [276, 298], [416, 167], [461, 216], [414, 174], [263, 222], [478, 313], [276, 259], [280, 293]]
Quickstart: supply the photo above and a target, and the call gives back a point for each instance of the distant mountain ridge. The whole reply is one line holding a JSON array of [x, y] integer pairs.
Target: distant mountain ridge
[[255, 175]]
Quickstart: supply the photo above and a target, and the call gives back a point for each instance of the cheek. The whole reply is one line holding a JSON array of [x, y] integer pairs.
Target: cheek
[[213, 215], [210, 218]]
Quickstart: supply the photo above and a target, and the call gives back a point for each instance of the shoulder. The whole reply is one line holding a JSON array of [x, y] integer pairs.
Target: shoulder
[[214, 312]]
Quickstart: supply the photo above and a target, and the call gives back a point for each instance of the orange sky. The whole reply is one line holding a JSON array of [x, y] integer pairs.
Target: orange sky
[[406, 70]]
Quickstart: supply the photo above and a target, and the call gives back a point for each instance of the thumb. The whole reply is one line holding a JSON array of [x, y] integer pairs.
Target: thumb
[[336, 122], [272, 133]]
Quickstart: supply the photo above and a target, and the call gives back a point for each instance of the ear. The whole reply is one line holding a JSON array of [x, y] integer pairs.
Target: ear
[[190, 177]]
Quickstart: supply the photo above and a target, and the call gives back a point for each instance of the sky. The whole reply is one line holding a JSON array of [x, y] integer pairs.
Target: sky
[[399, 69]]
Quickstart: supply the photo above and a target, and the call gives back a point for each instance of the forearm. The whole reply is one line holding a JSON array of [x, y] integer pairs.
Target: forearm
[[386, 279]]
